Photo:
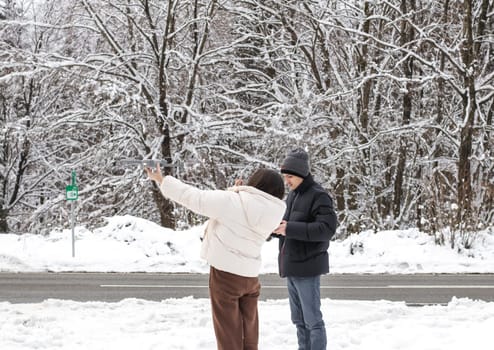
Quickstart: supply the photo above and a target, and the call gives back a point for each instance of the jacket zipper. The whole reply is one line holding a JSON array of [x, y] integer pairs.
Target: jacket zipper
[[282, 254], [282, 250]]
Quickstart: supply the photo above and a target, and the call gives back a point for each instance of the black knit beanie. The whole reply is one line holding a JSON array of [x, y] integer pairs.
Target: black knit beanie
[[296, 163]]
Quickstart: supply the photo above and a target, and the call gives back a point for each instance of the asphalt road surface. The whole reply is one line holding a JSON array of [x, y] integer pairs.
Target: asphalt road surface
[[416, 289]]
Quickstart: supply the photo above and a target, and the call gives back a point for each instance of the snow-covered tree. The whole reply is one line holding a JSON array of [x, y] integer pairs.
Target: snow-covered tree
[[392, 99]]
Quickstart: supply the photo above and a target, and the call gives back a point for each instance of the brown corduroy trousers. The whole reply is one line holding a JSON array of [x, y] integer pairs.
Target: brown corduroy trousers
[[234, 306]]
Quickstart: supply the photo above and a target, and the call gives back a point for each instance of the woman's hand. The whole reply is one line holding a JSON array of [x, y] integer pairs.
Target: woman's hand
[[155, 174]]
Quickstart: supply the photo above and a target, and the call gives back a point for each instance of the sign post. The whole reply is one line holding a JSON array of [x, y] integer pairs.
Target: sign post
[[72, 194]]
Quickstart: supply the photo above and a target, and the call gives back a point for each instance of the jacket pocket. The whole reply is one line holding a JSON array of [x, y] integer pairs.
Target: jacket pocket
[[295, 250]]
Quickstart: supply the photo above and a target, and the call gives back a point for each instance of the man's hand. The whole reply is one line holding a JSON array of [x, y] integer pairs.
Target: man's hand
[[281, 229], [155, 174]]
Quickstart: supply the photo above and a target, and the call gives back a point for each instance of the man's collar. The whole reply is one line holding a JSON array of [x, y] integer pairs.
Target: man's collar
[[307, 183]]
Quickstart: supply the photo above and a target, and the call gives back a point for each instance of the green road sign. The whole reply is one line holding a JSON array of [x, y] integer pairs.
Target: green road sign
[[71, 192]]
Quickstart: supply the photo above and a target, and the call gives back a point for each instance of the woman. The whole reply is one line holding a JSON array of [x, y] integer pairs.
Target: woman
[[241, 219]]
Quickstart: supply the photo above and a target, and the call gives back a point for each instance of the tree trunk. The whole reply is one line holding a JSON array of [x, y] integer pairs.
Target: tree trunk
[[165, 206], [340, 193], [407, 35], [363, 101], [4, 227], [466, 134]]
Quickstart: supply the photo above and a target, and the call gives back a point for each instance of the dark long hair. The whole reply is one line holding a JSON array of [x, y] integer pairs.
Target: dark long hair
[[268, 181]]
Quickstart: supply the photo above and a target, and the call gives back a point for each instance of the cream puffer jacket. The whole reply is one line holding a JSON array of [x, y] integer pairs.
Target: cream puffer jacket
[[241, 219]]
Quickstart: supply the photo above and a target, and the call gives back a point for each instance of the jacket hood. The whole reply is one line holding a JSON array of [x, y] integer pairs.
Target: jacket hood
[[261, 210]]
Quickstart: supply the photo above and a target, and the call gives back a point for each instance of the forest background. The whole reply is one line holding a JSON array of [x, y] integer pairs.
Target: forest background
[[393, 100]]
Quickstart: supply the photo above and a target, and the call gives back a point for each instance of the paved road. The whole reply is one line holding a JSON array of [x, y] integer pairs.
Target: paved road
[[415, 289]]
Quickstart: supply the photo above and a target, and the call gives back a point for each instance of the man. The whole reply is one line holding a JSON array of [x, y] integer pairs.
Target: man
[[307, 226]]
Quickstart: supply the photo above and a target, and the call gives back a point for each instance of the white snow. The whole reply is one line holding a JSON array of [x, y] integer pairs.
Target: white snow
[[131, 244]]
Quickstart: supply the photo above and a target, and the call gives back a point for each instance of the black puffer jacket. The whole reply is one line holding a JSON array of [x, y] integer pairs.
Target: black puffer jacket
[[311, 222]]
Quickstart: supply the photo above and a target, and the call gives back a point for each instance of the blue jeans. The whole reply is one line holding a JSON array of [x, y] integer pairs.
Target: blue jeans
[[304, 295]]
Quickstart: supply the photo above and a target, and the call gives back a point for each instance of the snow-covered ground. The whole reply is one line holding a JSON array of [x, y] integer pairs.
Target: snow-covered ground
[[132, 244]]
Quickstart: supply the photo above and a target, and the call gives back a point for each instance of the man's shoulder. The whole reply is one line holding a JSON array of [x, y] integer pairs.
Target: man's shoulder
[[317, 188], [320, 195]]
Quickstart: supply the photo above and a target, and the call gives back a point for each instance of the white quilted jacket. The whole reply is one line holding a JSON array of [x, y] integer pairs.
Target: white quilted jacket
[[241, 218]]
